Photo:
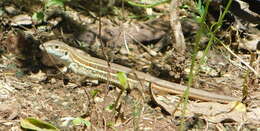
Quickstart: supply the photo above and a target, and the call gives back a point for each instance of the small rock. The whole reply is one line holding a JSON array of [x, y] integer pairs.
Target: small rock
[[124, 51], [55, 21], [53, 81], [11, 10], [71, 85], [98, 99], [199, 55], [21, 20], [252, 45], [40, 76]]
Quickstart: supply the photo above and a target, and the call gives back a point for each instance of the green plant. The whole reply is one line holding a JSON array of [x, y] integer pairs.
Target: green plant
[[147, 5], [81, 121], [37, 125], [38, 17], [121, 76], [194, 68], [59, 3], [75, 121]]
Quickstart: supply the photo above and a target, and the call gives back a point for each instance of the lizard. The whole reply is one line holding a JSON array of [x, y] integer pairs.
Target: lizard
[[82, 63]]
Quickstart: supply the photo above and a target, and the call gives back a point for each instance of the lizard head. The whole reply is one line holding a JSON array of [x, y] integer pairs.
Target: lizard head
[[57, 49]]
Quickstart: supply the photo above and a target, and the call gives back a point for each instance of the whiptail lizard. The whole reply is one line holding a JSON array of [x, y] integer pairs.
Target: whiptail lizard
[[82, 63]]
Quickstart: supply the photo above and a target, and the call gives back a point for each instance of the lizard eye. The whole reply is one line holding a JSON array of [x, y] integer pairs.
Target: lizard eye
[[56, 47]]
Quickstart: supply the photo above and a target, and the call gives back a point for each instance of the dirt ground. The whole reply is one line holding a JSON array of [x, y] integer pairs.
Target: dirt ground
[[34, 86]]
